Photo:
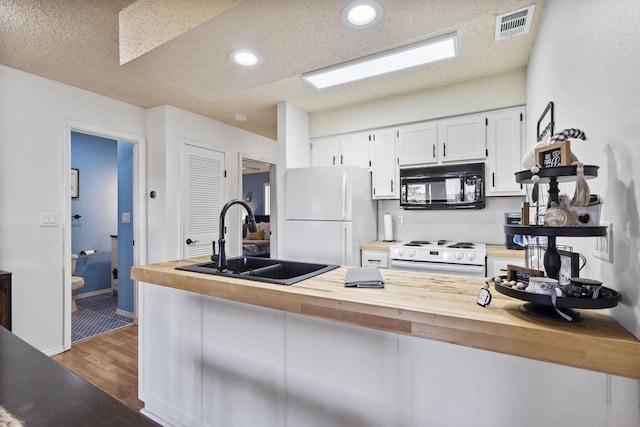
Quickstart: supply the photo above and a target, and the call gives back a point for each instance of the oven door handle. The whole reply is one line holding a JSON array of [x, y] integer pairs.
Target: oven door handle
[[436, 266]]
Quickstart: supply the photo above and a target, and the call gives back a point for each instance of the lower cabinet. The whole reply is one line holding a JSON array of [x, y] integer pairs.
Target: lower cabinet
[[375, 258], [205, 361]]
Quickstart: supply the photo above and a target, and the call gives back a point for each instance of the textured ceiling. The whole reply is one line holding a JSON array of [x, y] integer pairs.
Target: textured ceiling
[[77, 42]]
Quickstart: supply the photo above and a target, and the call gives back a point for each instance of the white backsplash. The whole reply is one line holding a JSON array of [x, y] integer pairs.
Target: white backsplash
[[478, 225]]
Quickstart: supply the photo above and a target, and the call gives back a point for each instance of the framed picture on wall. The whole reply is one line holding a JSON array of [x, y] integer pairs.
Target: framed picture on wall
[[75, 183]]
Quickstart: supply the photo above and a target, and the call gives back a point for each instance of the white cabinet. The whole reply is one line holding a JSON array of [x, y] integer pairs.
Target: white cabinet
[[354, 149], [505, 139], [384, 164], [324, 151], [462, 138], [456, 140], [349, 149], [375, 259], [418, 144]]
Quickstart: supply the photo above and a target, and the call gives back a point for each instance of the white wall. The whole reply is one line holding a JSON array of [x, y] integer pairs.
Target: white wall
[[504, 90], [33, 152], [166, 127], [586, 60]]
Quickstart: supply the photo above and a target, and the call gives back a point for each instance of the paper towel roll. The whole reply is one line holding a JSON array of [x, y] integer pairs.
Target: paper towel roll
[[88, 253], [388, 227]]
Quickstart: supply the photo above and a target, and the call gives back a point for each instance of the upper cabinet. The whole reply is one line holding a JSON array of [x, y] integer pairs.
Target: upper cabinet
[[455, 140], [385, 174], [325, 151], [349, 149], [505, 140], [418, 144], [494, 137], [463, 138]]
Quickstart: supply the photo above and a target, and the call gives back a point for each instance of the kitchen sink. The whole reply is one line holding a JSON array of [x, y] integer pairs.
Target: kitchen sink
[[267, 270]]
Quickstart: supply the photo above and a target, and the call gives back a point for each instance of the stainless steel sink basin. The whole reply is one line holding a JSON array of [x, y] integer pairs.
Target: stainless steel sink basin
[[267, 270]]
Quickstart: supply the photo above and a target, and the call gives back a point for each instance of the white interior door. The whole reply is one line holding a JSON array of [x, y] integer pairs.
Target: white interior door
[[203, 177]]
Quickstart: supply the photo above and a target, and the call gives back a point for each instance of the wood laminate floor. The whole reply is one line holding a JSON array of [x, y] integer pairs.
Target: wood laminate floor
[[110, 362]]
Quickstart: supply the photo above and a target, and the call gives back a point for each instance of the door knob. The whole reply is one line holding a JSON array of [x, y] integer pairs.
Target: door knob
[[189, 241]]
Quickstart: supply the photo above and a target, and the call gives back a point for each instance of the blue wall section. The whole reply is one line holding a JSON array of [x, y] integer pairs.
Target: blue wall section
[[125, 231], [253, 184], [96, 159]]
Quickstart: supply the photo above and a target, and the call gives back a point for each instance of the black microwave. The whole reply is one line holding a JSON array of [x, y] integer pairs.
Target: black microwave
[[459, 186]]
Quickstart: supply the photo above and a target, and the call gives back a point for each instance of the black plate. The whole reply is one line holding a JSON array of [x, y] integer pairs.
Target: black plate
[[563, 302]]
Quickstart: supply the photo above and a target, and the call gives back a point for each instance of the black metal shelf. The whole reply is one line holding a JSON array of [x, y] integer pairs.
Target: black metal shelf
[[539, 230], [557, 174], [540, 305]]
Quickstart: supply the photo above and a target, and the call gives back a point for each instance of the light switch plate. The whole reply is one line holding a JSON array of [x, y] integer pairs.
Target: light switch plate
[[48, 219], [604, 244], [126, 217]]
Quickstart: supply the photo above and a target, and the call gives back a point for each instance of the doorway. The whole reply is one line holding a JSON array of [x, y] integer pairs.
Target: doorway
[[255, 189], [101, 234], [103, 219]]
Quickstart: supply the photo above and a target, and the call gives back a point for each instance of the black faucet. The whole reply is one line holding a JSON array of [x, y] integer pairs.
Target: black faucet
[[221, 258]]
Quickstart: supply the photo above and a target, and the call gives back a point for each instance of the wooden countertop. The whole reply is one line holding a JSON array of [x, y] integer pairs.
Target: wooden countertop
[[436, 307]]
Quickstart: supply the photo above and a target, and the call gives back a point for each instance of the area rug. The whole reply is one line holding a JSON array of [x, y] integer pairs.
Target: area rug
[[8, 420], [96, 315]]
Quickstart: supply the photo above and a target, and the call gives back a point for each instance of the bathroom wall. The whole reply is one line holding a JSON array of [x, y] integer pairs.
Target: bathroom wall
[[125, 230], [253, 184], [97, 160]]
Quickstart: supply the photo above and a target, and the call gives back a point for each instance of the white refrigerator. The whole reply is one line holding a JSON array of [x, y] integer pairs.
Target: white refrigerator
[[330, 213]]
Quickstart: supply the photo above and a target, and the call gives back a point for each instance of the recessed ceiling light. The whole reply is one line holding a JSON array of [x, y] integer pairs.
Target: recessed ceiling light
[[361, 13], [245, 58], [240, 117], [394, 60]]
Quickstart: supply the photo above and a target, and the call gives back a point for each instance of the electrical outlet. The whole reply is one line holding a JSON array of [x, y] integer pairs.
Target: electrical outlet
[[400, 220], [604, 244]]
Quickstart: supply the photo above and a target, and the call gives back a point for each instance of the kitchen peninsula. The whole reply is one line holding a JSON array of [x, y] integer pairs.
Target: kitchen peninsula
[[223, 351]]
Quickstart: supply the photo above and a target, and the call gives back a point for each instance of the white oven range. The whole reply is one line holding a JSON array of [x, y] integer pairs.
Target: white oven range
[[439, 257]]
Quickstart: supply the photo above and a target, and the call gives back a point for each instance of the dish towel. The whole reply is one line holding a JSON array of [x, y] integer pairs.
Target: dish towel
[[363, 277]]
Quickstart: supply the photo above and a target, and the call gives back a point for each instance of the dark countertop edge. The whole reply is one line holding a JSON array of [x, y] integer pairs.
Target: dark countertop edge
[[38, 390]]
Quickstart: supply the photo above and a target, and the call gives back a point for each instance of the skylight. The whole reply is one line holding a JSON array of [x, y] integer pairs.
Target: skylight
[[386, 62]]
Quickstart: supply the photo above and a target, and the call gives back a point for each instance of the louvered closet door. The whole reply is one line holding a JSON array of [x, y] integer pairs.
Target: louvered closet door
[[203, 198]]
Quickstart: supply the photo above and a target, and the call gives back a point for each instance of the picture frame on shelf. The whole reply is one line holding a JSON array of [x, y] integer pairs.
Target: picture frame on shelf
[[554, 155], [522, 274], [569, 266], [75, 183]]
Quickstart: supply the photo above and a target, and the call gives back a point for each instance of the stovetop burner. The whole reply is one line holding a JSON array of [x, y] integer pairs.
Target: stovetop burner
[[417, 243], [462, 245]]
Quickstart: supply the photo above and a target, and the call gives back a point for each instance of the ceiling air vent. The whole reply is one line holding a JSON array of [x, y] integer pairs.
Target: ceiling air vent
[[514, 23]]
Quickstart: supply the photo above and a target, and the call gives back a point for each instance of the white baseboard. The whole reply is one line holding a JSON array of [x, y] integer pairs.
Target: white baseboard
[[92, 294], [124, 313], [53, 351]]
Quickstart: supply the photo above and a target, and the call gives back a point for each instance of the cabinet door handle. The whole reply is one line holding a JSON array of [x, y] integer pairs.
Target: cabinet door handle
[[373, 260], [341, 159], [334, 160], [434, 151], [444, 149], [392, 186], [493, 179]]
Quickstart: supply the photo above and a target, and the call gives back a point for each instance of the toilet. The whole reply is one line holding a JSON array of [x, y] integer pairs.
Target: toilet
[[76, 282]]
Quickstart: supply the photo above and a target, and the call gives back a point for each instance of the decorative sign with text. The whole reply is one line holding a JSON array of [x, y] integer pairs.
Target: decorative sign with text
[[522, 274], [554, 155]]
